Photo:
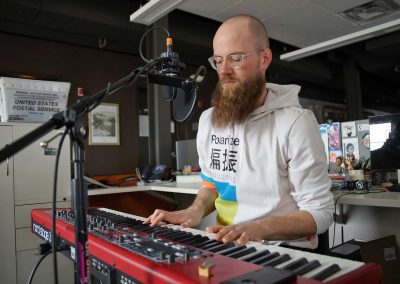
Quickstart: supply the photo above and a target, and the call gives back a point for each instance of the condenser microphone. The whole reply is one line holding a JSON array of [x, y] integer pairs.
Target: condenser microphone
[[182, 92], [171, 67]]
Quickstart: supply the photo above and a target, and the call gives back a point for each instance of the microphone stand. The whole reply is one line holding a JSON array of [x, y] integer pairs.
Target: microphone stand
[[77, 136]]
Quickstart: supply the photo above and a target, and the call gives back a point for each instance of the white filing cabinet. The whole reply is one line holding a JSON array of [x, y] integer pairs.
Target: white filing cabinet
[[26, 182]]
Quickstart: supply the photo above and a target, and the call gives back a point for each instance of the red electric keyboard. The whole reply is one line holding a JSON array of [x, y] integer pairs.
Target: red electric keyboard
[[125, 251]]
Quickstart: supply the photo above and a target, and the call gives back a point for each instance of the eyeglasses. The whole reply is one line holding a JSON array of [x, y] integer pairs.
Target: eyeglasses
[[234, 60]]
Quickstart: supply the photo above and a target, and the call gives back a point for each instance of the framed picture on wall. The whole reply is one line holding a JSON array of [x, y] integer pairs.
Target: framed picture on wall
[[104, 125]]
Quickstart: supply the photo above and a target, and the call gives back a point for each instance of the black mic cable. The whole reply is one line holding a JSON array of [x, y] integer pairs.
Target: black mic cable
[[144, 36]]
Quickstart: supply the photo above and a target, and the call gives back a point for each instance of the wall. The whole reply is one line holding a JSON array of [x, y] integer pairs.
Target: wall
[[366, 223], [91, 69]]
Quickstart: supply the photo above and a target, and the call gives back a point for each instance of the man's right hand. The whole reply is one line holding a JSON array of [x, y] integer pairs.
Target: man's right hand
[[186, 218]]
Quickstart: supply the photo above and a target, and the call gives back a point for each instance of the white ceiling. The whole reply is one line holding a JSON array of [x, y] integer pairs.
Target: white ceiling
[[297, 22]]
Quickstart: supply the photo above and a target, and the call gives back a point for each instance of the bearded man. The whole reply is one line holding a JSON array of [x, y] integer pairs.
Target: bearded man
[[262, 160]]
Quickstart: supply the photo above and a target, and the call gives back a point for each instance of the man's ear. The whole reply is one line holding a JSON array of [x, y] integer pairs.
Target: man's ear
[[267, 58]]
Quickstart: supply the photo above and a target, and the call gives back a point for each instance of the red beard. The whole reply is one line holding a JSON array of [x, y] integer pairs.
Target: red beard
[[233, 103]]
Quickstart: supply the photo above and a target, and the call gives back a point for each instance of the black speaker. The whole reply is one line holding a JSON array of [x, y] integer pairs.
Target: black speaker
[[358, 185]]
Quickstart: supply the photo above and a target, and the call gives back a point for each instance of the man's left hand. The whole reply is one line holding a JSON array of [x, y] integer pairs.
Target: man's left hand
[[240, 233]]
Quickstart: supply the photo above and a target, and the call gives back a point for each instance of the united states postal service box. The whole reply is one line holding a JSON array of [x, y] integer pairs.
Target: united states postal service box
[[25, 100]]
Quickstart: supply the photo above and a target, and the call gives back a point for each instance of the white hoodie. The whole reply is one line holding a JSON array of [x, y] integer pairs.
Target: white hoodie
[[272, 164]]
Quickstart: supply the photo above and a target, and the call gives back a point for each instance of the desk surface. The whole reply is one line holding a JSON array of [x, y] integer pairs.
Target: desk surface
[[384, 199], [188, 188]]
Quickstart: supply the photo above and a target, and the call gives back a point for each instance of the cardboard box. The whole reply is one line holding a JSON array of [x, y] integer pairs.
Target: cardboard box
[[24, 100], [385, 252]]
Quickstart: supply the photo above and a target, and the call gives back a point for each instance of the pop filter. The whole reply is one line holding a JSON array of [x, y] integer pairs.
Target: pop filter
[[182, 92], [184, 103], [186, 97]]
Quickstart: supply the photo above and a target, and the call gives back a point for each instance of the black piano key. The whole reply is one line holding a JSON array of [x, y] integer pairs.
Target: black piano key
[[174, 234], [165, 233], [257, 255], [325, 273], [182, 238], [137, 227], [277, 260], [168, 235], [307, 267], [243, 252], [210, 246], [160, 230], [295, 264], [152, 229], [232, 250], [206, 243], [221, 247], [197, 241], [265, 258]]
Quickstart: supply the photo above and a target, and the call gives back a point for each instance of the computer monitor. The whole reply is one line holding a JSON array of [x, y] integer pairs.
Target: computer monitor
[[186, 154], [385, 142]]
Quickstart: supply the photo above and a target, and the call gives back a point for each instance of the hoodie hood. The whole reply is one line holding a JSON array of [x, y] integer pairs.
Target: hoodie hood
[[279, 96]]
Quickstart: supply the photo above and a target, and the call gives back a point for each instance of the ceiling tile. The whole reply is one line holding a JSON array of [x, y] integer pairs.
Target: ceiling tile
[[339, 5], [332, 25], [270, 7], [239, 8], [294, 38], [302, 14], [276, 28], [206, 8]]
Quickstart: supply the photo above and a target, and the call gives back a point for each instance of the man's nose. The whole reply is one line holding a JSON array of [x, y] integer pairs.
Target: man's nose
[[225, 68]]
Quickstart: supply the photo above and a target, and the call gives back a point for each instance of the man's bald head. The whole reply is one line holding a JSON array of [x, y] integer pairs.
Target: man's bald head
[[250, 25]]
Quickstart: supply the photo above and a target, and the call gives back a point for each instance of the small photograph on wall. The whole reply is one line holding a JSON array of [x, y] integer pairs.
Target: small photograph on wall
[[324, 136], [104, 125], [334, 136], [351, 149], [348, 129]]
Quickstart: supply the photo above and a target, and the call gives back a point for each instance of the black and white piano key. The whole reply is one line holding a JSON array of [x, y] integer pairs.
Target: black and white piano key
[[232, 250], [197, 240], [220, 247], [295, 264], [212, 245], [172, 234], [258, 254], [206, 243], [265, 258], [244, 252], [166, 233], [277, 260], [323, 274], [309, 266], [190, 238], [183, 238]]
